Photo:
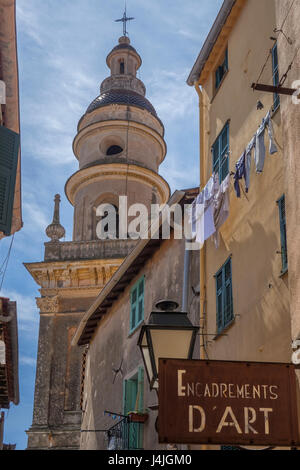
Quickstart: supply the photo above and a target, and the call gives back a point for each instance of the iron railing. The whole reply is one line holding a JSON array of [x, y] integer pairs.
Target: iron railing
[[124, 435]]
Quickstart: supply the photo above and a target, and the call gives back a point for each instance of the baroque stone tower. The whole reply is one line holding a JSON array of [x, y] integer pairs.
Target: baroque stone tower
[[119, 146]]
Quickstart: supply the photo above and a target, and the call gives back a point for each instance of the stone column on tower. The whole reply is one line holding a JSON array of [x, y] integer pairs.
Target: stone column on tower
[[119, 146]]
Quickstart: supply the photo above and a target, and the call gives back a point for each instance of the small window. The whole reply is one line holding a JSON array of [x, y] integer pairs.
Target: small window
[[275, 75], [220, 154], [109, 227], [224, 296], [122, 68], [221, 70], [114, 150], [282, 223], [137, 304]]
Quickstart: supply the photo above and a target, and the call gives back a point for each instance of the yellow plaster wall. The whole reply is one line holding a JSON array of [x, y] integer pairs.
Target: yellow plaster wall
[[261, 331]]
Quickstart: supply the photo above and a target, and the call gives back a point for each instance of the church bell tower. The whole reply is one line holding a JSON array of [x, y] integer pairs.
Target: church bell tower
[[119, 146]]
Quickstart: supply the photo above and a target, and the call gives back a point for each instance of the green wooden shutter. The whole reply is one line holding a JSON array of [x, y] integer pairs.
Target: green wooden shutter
[[130, 393], [140, 300], [220, 152], [228, 313], [141, 389], [133, 308], [275, 75], [282, 221], [224, 296], [9, 149], [137, 304], [219, 289]]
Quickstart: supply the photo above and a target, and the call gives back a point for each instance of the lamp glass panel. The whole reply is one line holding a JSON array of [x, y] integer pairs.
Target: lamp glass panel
[[172, 344], [155, 385], [145, 351]]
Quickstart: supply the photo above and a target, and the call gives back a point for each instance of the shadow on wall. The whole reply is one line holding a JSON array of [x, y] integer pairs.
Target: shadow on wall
[[260, 299]]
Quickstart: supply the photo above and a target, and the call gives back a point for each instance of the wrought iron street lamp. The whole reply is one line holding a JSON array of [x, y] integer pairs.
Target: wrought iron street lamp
[[169, 334]]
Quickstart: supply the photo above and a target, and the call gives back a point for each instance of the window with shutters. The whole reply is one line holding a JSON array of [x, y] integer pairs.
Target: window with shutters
[[282, 223], [220, 154], [133, 401], [137, 304], [275, 71], [221, 70], [224, 296], [9, 148]]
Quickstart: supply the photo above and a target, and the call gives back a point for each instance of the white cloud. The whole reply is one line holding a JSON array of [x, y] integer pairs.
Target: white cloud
[[27, 311], [37, 220], [190, 35], [170, 95], [28, 21], [27, 361]]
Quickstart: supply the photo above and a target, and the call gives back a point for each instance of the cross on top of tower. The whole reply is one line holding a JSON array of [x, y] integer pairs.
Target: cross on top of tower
[[124, 20]]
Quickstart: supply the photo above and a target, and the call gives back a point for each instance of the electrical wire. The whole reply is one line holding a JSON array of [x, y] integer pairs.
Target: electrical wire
[[289, 10], [127, 136], [264, 66], [284, 77], [270, 52], [5, 263]]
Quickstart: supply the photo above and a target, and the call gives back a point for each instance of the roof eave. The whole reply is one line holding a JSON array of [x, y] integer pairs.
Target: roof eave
[[210, 41]]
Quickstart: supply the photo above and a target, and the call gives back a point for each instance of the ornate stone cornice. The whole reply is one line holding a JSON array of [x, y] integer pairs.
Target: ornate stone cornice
[[112, 124], [115, 171], [76, 275], [48, 304]]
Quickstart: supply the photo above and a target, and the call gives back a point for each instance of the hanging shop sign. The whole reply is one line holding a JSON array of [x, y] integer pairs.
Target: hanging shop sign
[[227, 403]]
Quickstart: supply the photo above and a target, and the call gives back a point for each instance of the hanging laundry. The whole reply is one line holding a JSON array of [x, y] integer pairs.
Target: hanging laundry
[[202, 211], [260, 150], [221, 207], [210, 210], [241, 172], [249, 149]]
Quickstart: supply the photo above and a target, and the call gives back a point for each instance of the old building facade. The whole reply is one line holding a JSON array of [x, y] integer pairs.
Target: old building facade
[[246, 291], [119, 146], [114, 379], [10, 204], [96, 295], [287, 18], [10, 155]]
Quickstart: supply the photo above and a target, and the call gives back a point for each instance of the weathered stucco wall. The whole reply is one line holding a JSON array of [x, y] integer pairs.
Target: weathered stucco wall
[[251, 236], [289, 19], [112, 342]]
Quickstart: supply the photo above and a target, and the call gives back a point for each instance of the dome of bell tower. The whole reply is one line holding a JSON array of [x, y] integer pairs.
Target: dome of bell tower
[[119, 144]]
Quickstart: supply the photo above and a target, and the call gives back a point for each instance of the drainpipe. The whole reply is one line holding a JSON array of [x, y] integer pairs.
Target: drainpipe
[[202, 185], [186, 277], [203, 250]]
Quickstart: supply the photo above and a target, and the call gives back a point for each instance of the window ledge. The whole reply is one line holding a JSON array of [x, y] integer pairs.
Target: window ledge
[[131, 332], [226, 328]]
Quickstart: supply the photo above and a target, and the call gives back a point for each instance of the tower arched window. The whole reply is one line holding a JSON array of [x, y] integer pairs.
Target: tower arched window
[[107, 224], [122, 67]]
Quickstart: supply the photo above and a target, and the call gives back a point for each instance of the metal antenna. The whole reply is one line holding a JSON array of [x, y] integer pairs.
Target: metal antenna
[[124, 21]]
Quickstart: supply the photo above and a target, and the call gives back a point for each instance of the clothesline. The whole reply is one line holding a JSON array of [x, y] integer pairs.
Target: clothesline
[[257, 143], [210, 210]]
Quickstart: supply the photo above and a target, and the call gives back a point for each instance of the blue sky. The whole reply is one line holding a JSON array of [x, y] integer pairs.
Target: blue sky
[[62, 47]]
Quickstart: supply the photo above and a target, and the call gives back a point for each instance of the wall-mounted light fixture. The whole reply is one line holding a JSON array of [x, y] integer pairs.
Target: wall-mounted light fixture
[[169, 334]]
